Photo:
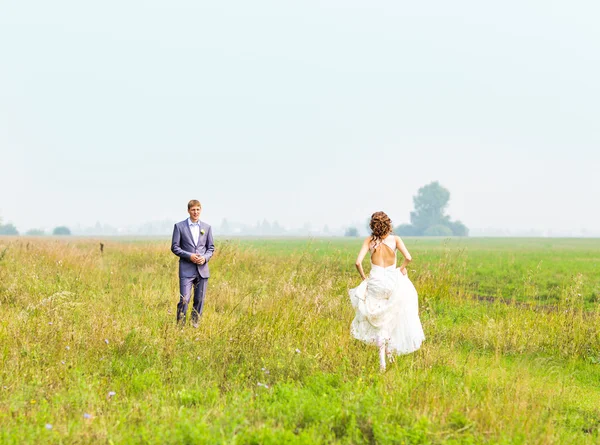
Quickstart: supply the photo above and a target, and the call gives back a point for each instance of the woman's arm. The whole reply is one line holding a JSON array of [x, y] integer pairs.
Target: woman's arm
[[404, 251], [361, 256]]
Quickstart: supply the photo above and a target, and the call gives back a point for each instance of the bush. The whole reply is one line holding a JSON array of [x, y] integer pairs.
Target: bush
[[35, 232], [61, 230], [351, 231], [8, 229], [458, 228], [406, 230], [438, 230]]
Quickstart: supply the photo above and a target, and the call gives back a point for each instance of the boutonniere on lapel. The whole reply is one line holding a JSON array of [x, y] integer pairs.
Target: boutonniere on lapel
[[201, 231]]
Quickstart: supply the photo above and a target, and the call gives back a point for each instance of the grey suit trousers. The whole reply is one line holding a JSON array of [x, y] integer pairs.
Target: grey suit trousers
[[185, 294]]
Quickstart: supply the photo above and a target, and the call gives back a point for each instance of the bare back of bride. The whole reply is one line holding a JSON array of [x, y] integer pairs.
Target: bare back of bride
[[386, 302]]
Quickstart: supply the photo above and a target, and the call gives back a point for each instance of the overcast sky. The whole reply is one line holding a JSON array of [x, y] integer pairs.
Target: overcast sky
[[296, 111]]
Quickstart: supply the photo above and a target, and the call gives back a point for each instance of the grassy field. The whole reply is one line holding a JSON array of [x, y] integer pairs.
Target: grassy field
[[91, 354], [525, 269]]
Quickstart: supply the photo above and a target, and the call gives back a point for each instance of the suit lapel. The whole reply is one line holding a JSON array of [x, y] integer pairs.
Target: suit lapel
[[189, 232], [199, 232]]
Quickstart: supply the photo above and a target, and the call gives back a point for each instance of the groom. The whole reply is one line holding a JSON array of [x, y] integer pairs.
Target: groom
[[193, 244]]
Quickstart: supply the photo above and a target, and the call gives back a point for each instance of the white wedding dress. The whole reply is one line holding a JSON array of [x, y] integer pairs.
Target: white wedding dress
[[387, 307]]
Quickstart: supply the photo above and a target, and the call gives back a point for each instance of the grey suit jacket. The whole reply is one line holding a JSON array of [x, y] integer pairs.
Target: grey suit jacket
[[183, 246]]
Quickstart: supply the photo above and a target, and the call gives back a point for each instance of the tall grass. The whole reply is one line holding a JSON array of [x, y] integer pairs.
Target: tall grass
[[91, 353]]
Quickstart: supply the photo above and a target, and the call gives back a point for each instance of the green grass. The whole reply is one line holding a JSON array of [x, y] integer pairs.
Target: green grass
[[75, 325], [526, 269]]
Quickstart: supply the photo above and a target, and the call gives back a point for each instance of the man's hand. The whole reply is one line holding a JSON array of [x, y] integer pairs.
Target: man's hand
[[196, 259], [202, 260]]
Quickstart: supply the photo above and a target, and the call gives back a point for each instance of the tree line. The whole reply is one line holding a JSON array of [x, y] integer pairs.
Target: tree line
[[10, 229]]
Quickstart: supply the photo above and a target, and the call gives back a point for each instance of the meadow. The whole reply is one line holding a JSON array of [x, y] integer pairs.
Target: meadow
[[91, 353]]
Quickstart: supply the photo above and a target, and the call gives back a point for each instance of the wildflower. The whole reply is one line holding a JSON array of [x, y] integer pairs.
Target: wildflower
[[50, 323], [265, 370], [87, 416], [106, 340], [67, 348], [48, 426], [297, 351], [112, 394], [264, 385], [33, 402], [62, 362]]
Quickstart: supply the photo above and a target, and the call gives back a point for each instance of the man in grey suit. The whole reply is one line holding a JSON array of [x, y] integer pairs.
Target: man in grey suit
[[193, 244]]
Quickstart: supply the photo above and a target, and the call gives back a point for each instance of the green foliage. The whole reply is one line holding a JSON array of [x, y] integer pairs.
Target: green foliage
[[8, 229], [406, 230], [438, 230], [61, 230], [458, 228]]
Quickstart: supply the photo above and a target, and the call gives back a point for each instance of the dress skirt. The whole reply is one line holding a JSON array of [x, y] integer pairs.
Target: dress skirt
[[387, 309]]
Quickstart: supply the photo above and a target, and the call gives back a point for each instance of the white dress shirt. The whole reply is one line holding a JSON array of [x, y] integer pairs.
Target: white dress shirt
[[195, 229]]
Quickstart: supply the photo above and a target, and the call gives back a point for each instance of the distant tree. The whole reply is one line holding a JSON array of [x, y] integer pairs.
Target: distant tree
[[8, 229], [225, 226], [265, 227], [351, 231], [277, 229], [306, 228], [429, 216], [438, 230], [61, 230], [430, 204], [406, 230], [458, 228], [35, 232]]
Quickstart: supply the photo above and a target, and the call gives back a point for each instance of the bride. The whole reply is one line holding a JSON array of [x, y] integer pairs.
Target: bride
[[386, 302]]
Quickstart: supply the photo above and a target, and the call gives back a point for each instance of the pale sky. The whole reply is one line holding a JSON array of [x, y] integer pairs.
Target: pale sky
[[299, 111]]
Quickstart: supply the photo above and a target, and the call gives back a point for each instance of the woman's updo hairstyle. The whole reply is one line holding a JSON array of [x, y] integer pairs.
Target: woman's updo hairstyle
[[381, 226]]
